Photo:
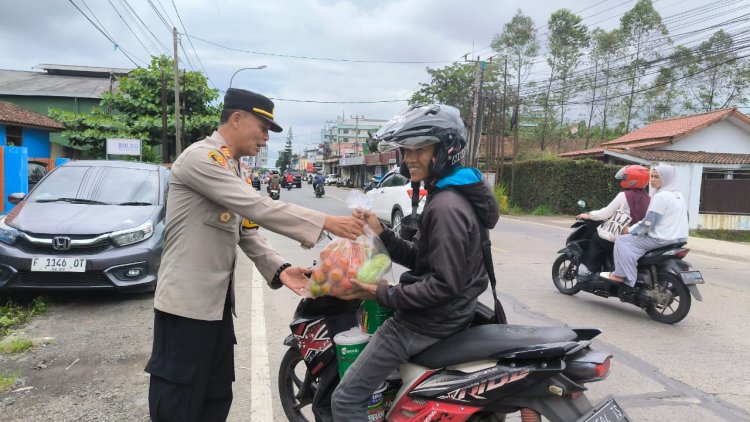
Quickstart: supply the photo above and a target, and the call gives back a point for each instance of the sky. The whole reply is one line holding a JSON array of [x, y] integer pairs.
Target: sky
[[363, 39]]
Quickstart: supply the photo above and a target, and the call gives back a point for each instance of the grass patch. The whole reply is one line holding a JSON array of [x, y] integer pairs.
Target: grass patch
[[542, 210], [729, 235], [501, 194], [7, 381], [12, 314], [15, 345]]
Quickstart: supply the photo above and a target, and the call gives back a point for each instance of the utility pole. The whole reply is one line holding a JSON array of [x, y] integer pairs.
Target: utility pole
[[502, 120], [164, 143], [517, 114], [360, 179], [177, 138], [476, 112]]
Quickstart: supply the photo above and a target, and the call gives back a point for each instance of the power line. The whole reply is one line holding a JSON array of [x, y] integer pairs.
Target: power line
[[195, 52], [101, 30], [133, 12], [290, 56], [129, 28]]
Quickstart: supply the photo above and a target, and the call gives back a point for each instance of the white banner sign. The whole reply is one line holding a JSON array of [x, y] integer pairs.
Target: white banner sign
[[123, 146]]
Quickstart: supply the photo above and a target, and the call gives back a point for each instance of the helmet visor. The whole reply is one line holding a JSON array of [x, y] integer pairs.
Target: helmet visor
[[621, 174]]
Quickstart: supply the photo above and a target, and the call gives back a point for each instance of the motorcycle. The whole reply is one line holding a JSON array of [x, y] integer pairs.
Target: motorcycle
[[274, 192], [479, 374], [319, 190], [664, 286]]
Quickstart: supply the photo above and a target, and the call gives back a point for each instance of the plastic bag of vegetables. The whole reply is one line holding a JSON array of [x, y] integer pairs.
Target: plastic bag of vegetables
[[343, 260]]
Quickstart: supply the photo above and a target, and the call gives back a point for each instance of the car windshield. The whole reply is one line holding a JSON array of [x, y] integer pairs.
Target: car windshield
[[99, 185]]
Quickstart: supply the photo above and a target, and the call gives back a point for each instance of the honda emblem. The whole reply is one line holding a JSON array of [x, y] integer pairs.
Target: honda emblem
[[61, 243]]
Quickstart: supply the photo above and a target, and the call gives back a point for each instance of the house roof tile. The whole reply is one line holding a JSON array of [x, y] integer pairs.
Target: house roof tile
[[11, 114], [670, 129], [690, 156]]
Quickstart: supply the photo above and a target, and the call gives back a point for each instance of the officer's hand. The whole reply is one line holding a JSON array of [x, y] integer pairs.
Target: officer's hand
[[370, 220], [295, 278], [347, 227]]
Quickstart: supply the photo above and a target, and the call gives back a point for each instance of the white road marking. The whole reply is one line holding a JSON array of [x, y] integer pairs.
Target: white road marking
[[260, 386]]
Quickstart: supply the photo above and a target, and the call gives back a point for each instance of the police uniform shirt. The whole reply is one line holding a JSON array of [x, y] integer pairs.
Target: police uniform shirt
[[207, 201]]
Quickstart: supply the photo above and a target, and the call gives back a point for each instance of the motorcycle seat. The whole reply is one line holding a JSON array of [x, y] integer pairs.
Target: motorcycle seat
[[660, 251], [484, 341]]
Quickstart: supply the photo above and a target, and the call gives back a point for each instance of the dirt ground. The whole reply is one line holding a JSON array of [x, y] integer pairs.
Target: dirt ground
[[89, 363]]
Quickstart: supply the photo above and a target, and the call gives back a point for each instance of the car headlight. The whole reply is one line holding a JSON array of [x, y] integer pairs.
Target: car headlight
[[7, 233], [130, 236]]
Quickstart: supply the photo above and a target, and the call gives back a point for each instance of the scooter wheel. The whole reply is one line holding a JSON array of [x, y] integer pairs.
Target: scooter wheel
[[564, 275], [671, 300]]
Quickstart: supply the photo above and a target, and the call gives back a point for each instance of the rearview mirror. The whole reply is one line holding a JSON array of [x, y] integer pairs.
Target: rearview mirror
[[15, 198], [582, 203]]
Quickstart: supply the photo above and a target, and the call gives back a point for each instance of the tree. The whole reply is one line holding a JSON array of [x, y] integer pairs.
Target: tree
[[720, 77], [449, 85], [643, 29], [518, 42], [606, 48], [134, 111], [567, 39], [285, 157], [663, 97]]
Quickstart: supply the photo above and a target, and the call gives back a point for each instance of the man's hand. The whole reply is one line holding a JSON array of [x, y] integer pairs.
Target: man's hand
[[366, 292], [296, 279], [347, 227], [370, 220]]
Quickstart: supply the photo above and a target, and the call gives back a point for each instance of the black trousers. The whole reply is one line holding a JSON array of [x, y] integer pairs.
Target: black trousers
[[594, 257], [192, 368]]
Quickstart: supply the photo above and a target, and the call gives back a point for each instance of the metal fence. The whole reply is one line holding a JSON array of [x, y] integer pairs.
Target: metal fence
[[725, 192]]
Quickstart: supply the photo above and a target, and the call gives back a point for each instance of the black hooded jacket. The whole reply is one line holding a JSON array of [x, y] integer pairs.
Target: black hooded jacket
[[438, 296]]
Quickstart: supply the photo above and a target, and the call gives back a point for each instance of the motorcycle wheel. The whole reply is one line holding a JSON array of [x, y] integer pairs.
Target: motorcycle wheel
[[487, 417], [671, 300], [564, 271], [292, 376]]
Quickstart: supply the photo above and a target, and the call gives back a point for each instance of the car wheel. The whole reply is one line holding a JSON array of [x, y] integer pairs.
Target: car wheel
[[396, 220]]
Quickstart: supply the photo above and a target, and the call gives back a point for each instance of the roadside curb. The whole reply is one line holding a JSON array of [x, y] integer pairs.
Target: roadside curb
[[715, 247]]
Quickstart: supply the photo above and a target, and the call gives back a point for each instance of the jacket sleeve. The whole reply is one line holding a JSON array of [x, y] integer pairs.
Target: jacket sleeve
[[449, 231], [220, 185], [602, 214], [266, 259], [402, 252]]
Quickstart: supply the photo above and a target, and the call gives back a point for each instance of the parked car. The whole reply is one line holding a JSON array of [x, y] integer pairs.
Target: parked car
[[391, 198], [332, 179], [87, 225]]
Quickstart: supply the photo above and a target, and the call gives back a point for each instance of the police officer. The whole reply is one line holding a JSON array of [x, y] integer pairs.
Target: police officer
[[192, 361]]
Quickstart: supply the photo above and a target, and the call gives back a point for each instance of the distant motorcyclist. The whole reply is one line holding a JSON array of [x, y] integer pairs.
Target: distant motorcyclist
[[275, 180], [319, 180], [289, 180]]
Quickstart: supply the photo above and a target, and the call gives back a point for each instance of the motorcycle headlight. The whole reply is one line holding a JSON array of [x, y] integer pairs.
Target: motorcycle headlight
[[130, 236], [7, 233]]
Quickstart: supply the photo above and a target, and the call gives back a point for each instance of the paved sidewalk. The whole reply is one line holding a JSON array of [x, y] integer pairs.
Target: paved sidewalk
[[736, 250]]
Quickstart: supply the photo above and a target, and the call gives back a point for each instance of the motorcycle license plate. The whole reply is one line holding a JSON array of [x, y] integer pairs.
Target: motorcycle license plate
[[608, 410], [692, 277]]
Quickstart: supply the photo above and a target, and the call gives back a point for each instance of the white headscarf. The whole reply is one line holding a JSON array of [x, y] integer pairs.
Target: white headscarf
[[668, 179]]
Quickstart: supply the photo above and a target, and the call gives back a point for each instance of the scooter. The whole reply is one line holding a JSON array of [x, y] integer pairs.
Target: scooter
[[479, 374], [319, 190], [664, 286], [273, 192]]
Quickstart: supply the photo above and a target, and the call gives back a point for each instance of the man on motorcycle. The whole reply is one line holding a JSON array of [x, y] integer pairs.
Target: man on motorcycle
[[275, 180], [319, 180], [289, 180], [438, 296]]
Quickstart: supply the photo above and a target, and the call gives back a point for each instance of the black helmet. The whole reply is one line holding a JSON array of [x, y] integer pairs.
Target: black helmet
[[422, 125]]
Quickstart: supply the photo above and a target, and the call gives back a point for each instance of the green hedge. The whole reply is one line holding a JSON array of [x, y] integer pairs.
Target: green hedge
[[558, 184]]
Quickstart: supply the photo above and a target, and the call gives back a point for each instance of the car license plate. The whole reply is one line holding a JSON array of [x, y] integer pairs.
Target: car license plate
[[66, 264], [607, 411], [692, 277]]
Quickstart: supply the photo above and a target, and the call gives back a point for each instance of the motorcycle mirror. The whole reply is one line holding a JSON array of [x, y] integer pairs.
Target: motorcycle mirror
[[323, 234], [582, 203]]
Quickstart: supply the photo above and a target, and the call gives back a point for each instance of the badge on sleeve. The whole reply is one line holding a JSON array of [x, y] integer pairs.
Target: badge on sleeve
[[225, 150], [225, 216], [217, 159], [248, 225]]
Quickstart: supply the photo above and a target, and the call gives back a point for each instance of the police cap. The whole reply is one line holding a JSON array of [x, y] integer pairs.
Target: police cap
[[261, 106]]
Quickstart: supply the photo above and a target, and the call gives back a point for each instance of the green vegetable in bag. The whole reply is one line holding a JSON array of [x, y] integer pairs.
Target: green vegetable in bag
[[371, 271]]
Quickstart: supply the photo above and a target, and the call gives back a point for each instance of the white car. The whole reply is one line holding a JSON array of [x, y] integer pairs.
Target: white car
[[332, 179], [391, 198]]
